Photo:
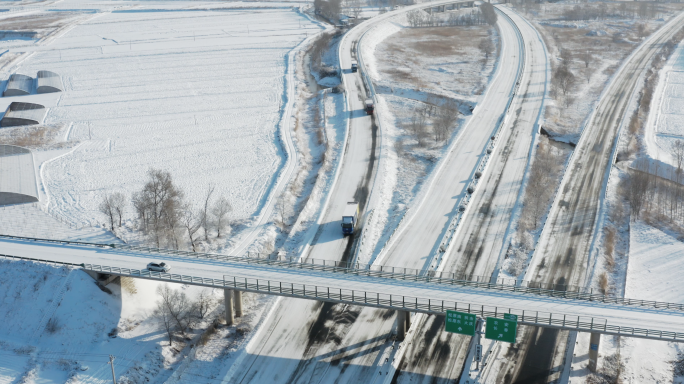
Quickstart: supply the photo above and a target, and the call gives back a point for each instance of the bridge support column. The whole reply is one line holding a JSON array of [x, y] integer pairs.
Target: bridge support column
[[403, 324], [594, 342], [228, 300], [238, 303]]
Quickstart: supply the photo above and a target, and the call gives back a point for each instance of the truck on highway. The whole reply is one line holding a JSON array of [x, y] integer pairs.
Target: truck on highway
[[350, 217], [354, 66], [369, 107]]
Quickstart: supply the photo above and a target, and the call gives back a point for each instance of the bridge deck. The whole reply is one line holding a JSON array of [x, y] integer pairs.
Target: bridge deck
[[419, 296]]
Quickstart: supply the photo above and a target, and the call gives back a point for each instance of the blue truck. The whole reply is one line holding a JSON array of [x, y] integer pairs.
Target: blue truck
[[350, 218]]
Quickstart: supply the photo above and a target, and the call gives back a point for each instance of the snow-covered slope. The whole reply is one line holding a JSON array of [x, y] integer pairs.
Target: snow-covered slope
[[57, 326]]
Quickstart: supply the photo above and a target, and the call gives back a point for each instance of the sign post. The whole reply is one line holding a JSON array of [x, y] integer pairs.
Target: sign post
[[460, 322], [501, 329]]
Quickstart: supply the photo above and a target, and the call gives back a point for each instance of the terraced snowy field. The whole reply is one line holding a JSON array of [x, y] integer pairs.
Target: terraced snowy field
[[198, 93]]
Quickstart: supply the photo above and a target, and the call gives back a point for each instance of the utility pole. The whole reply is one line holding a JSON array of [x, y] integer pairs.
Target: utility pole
[[111, 362]]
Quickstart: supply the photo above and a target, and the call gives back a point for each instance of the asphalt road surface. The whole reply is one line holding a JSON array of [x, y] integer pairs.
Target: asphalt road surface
[[562, 255]]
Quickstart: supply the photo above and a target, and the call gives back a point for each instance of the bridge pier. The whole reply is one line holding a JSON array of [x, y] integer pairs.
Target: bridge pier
[[403, 324], [594, 342], [228, 297], [238, 303]]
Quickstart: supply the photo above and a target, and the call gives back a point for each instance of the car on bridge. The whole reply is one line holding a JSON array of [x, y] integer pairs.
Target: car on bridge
[[158, 267]]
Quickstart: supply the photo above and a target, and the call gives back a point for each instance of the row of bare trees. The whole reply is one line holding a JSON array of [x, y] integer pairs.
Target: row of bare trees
[[489, 13], [330, 9], [431, 120], [543, 178], [658, 197], [600, 11], [166, 217], [422, 19]]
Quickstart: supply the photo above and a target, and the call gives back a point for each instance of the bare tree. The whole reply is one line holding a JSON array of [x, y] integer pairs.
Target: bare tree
[[355, 8], [177, 306], [204, 215], [118, 201], [445, 121], [158, 204], [486, 47], [330, 8], [488, 13], [641, 30], [220, 212], [566, 56], [637, 188], [564, 79], [191, 224], [163, 317], [543, 174], [587, 58], [107, 208], [282, 208], [678, 148], [418, 126], [204, 302]]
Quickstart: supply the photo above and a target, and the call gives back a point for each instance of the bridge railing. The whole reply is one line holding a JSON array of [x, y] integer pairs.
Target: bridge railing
[[387, 272], [382, 300], [393, 302]]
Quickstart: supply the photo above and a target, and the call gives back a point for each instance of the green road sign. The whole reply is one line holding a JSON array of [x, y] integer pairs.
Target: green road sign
[[510, 316], [459, 322], [501, 330]]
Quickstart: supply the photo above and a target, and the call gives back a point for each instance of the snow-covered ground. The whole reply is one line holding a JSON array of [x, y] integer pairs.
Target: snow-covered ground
[[59, 327], [654, 271]]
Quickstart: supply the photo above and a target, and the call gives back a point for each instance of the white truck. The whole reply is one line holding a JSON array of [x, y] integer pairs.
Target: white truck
[[349, 218]]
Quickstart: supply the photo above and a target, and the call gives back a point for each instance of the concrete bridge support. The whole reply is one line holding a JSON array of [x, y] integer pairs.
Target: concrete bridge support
[[403, 324], [228, 296], [594, 342], [238, 303]]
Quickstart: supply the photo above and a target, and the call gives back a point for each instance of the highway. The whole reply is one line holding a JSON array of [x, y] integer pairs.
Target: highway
[[481, 242], [286, 338], [369, 330], [565, 246], [406, 293], [361, 338], [299, 329]]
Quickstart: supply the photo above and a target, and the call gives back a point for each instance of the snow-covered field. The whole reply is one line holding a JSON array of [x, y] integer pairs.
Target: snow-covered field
[[666, 122], [198, 93]]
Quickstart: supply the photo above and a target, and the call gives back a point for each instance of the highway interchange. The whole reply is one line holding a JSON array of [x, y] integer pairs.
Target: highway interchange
[[309, 341]]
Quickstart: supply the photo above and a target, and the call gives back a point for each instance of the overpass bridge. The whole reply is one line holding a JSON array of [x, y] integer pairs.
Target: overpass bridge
[[388, 288]]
